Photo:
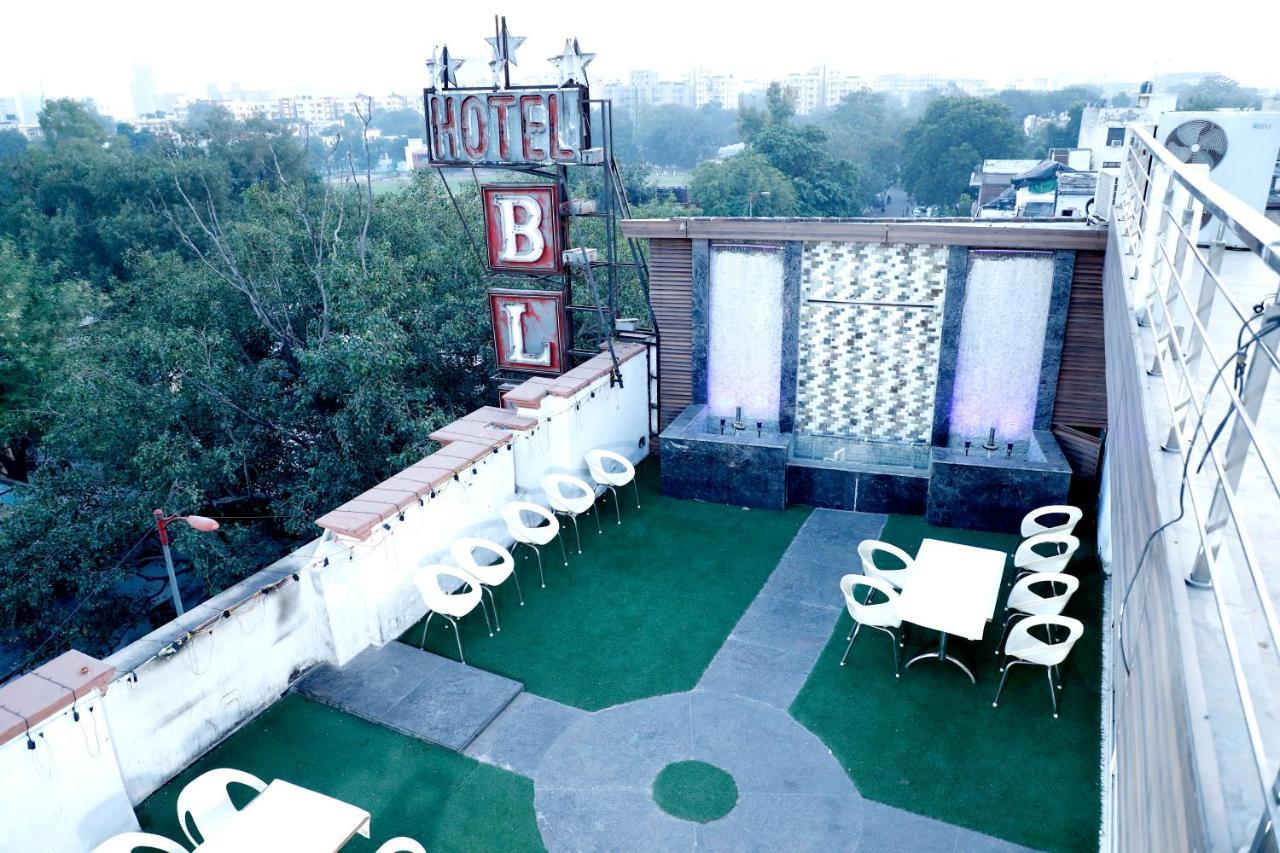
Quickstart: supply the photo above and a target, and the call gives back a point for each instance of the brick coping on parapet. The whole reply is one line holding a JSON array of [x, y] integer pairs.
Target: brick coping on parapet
[[47, 689], [464, 442]]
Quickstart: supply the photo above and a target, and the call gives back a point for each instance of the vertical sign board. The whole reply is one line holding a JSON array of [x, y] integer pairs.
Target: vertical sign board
[[528, 331], [522, 228]]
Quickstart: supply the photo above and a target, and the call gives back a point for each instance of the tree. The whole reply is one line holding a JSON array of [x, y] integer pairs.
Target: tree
[[824, 185], [779, 107], [951, 138], [12, 144], [865, 128], [1121, 99], [1065, 135], [1217, 92], [729, 187], [65, 119], [674, 135], [405, 122]]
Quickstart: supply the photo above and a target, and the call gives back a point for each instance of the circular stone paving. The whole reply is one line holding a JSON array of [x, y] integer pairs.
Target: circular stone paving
[[695, 790], [595, 787]]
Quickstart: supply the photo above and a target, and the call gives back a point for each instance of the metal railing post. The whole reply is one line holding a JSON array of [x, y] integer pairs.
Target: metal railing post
[[1239, 443]]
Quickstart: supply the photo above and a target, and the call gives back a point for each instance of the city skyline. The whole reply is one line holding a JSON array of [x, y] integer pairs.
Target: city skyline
[[325, 52]]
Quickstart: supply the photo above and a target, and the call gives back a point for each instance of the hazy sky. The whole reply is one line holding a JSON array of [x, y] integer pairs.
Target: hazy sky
[[88, 49]]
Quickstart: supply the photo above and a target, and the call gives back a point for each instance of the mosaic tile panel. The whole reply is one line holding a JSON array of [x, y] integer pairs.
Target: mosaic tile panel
[[870, 332]]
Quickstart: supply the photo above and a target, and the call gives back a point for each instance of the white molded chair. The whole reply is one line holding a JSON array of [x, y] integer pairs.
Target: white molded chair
[[1026, 600], [1055, 551], [490, 574], [536, 535], [403, 844], [883, 615], [127, 842], [570, 496], [622, 472], [451, 606], [1024, 648], [1033, 523], [206, 801], [868, 548]]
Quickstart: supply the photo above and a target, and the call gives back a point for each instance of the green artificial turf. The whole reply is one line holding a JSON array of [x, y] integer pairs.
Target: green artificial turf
[[640, 612], [441, 798], [695, 790], [931, 743]]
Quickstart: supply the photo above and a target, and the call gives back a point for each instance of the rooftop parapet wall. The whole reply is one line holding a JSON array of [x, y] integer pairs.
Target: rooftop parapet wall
[[464, 442], [177, 692], [35, 697], [1009, 234]]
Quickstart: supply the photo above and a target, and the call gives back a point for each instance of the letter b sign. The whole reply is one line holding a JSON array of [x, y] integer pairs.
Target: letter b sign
[[522, 228]]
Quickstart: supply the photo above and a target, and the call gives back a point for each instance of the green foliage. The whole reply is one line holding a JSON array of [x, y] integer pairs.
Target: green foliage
[[406, 122], [673, 135], [727, 187], [1023, 102], [1217, 92], [779, 108], [953, 137], [824, 186], [1121, 99], [1065, 135], [266, 345], [66, 119], [12, 143], [866, 129]]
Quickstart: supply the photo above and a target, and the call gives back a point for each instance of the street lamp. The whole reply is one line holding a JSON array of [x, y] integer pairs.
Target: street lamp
[[751, 199], [199, 522]]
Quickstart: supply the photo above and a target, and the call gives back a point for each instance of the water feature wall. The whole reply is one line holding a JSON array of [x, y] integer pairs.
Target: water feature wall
[[870, 331], [745, 330], [1001, 345]]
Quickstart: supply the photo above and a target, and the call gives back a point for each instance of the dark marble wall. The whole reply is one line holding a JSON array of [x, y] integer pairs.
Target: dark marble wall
[[875, 489], [952, 315], [792, 269], [742, 469], [979, 493], [701, 317], [1064, 268]]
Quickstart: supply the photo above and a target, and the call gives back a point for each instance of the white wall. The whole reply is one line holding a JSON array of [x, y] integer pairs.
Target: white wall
[[66, 794], [182, 704]]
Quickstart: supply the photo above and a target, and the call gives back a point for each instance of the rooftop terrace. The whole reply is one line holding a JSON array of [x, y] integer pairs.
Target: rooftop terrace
[[694, 631]]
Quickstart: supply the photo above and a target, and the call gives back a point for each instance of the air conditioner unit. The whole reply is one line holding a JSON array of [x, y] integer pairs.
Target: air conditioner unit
[[1104, 197], [1239, 147]]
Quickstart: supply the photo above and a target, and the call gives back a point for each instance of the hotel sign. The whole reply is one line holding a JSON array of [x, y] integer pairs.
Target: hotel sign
[[528, 329], [507, 127], [522, 228]]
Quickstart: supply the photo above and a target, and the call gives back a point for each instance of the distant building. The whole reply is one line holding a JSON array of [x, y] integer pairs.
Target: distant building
[[1102, 128], [993, 180], [143, 89], [1075, 194]]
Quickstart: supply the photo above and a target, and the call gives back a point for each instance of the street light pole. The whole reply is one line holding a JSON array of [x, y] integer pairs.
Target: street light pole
[[751, 199], [199, 522]]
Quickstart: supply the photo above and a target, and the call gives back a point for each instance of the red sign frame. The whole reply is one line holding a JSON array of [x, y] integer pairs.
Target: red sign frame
[[529, 330], [510, 205]]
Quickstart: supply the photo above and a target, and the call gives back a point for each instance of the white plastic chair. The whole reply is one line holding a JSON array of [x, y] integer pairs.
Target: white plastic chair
[[1027, 560], [623, 472], [570, 496], [1024, 648], [1025, 599], [127, 842], [868, 548], [536, 535], [1033, 524], [883, 616], [206, 801], [451, 606], [491, 574], [403, 844]]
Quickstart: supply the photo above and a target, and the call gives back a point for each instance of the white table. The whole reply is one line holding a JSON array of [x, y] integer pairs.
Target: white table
[[288, 817], [952, 589]]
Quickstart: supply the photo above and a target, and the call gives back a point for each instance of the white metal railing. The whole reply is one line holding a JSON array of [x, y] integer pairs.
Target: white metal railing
[[1213, 373]]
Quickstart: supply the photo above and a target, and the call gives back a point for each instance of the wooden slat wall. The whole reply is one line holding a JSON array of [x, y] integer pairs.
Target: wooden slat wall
[[1081, 404], [671, 291]]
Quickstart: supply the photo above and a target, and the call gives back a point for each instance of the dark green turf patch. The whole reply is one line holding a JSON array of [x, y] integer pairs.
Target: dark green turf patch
[[931, 743], [441, 798], [695, 790], [640, 612]]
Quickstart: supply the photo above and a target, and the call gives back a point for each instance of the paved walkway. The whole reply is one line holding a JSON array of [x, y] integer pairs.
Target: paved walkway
[[593, 772]]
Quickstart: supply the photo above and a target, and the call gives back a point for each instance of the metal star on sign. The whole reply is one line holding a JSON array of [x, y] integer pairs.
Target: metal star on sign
[[572, 63], [504, 47], [443, 69]]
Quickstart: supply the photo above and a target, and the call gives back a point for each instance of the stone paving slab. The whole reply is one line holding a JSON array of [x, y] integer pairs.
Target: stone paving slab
[[886, 829], [521, 735], [772, 649], [414, 692]]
